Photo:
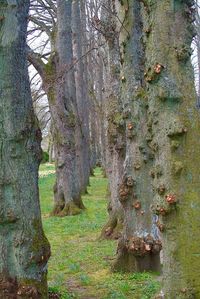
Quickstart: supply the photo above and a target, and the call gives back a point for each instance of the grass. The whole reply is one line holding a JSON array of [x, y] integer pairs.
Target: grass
[[79, 266]]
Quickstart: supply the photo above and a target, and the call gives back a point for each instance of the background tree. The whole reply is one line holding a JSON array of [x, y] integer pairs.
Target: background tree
[[59, 85], [43, 18], [80, 73], [114, 136], [24, 247]]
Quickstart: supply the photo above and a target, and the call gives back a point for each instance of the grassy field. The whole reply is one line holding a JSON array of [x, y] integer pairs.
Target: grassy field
[[80, 263]]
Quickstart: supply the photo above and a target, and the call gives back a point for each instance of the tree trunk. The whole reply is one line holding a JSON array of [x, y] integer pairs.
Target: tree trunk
[[93, 135], [115, 122], [24, 247], [101, 117], [140, 245], [50, 146], [175, 131], [62, 101], [81, 93], [59, 84]]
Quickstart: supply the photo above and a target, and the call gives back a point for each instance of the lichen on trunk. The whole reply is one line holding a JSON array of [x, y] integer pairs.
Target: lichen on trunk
[[140, 245], [23, 245], [81, 94], [62, 101], [175, 131], [115, 141]]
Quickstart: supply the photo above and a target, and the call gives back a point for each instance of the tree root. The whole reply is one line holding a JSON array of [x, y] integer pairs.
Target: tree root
[[113, 228], [69, 209]]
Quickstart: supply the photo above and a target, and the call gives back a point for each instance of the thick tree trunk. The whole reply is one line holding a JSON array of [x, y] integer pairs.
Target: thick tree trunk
[[175, 132], [23, 245], [92, 115], [93, 136], [81, 93], [140, 245], [100, 115], [59, 85], [62, 101], [113, 228], [115, 122]]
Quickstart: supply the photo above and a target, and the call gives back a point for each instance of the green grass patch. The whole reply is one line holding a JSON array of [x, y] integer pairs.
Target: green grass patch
[[80, 263]]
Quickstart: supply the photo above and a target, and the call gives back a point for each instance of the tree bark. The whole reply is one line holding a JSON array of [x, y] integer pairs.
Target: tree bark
[[24, 247], [64, 115], [50, 146], [115, 123], [101, 113], [81, 93], [139, 247], [175, 130], [59, 84]]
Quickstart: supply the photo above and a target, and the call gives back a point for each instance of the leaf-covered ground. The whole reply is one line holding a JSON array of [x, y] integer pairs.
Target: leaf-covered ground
[[80, 263]]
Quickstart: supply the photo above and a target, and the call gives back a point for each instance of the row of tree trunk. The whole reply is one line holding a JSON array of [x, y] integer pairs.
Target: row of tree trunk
[[152, 140], [65, 82], [148, 136], [144, 127]]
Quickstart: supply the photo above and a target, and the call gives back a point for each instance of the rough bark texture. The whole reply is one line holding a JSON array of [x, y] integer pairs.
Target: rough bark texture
[[100, 114], [23, 246], [81, 93], [175, 132], [139, 247], [51, 146], [89, 84], [59, 84], [115, 123], [62, 100], [96, 99]]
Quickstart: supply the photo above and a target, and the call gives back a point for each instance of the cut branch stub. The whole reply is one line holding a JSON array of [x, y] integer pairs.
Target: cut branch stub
[[130, 126], [171, 199], [156, 172], [136, 246], [126, 188], [137, 165], [130, 181], [164, 207], [108, 231], [161, 189], [130, 130], [137, 205], [153, 72], [161, 210], [140, 246], [124, 192], [160, 226], [123, 79], [158, 68]]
